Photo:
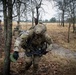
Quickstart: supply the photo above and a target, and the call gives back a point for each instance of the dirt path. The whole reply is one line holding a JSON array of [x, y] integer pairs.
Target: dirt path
[[63, 52], [60, 51]]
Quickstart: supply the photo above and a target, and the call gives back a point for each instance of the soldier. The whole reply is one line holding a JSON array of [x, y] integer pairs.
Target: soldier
[[34, 41], [16, 31]]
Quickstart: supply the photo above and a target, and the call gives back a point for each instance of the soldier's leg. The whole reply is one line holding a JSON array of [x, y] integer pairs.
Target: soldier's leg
[[35, 64], [28, 62]]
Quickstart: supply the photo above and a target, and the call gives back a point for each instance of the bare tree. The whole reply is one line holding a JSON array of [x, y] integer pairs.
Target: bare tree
[[7, 11], [18, 5], [71, 9], [38, 5], [61, 4]]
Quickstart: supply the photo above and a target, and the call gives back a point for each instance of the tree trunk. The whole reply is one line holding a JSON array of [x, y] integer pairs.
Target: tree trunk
[[8, 34], [73, 24], [6, 66], [18, 5], [59, 20], [37, 14], [32, 13], [32, 17], [62, 23], [69, 32], [73, 17]]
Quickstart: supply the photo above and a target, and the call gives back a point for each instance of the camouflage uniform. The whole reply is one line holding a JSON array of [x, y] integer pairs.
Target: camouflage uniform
[[34, 42], [16, 31]]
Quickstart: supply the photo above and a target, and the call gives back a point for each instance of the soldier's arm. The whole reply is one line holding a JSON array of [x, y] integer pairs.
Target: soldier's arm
[[49, 42], [18, 43], [20, 40]]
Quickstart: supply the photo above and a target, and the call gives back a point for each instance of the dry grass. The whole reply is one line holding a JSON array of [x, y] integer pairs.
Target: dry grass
[[60, 36], [23, 25]]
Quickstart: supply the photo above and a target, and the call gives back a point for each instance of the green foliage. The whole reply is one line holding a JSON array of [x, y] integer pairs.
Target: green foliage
[[53, 19], [46, 20]]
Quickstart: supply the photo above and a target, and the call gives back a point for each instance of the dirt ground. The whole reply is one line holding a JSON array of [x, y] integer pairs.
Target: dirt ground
[[50, 64]]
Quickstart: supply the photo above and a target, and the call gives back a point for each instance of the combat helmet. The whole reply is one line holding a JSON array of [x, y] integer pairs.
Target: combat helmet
[[40, 29]]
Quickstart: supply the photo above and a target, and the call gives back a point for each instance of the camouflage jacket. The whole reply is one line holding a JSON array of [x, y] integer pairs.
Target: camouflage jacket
[[32, 43]]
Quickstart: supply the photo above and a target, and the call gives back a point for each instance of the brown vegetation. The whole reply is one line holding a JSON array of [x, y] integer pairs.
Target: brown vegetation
[[59, 35]]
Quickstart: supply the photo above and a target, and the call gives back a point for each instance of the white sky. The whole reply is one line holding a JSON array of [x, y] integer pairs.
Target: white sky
[[50, 10], [47, 11]]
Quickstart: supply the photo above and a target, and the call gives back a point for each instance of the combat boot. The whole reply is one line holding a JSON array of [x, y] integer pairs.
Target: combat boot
[[35, 68], [27, 66]]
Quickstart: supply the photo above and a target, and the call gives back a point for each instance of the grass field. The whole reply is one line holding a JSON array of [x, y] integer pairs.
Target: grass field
[[60, 36]]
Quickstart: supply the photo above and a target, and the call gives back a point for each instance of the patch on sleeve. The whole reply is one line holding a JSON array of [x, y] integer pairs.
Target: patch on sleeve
[[25, 35]]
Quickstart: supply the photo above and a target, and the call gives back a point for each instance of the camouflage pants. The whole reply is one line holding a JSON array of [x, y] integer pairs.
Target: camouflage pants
[[34, 60]]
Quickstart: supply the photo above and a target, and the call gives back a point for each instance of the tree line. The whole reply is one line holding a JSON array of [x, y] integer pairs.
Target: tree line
[[67, 10], [67, 13]]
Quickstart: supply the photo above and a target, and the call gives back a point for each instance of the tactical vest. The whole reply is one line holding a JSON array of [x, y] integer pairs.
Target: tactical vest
[[35, 45]]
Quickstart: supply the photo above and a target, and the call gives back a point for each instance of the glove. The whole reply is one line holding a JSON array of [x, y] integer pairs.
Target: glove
[[15, 55]]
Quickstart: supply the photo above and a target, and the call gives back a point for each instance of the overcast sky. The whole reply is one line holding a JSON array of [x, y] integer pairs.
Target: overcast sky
[[49, 11]]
